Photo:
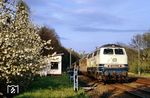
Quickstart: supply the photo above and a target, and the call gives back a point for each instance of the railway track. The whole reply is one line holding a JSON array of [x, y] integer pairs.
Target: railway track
[[143, 81], [131, 91], [136, 92], [139, 88], [143, 89]]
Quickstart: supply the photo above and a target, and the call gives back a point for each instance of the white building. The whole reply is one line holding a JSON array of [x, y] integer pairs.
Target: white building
[[54, 67]]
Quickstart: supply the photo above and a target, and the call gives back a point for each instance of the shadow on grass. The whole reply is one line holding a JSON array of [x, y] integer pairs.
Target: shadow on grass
[[81, 95], [52, 82], [52, 87]]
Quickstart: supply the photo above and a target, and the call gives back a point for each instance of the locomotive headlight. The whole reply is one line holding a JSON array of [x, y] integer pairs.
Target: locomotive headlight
[[107, 66], [121, 66]]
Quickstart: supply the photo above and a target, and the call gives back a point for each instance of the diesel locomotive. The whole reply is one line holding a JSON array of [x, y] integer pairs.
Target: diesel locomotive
[[108, 62]]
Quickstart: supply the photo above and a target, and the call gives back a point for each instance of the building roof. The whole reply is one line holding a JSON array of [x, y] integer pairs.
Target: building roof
[[60, 54]]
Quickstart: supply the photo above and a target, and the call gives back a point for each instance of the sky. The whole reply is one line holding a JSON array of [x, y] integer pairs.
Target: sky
[[84, 25]]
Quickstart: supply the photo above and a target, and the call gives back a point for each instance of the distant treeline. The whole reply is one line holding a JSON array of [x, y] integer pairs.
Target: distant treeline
[[50, 34], [138, 52]]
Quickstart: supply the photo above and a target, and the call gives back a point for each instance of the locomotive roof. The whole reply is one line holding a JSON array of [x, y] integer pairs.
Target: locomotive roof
[[110, 45], [103, 46]]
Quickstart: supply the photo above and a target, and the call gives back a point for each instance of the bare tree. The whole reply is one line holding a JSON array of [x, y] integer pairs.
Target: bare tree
[[141, 42], [138, 42], [146, 38]]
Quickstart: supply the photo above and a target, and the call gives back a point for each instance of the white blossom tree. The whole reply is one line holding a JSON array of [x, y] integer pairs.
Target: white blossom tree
[[20, 45]]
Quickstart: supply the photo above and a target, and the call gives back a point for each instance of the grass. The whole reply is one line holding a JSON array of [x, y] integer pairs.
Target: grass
[[52, 87], [146, 75]]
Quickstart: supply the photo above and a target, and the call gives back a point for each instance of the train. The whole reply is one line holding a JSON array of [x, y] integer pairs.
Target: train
[[108, 62]]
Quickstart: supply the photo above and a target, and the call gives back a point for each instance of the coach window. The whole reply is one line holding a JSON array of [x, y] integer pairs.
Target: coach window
[[119, 51], [108, 51], [54, 65]]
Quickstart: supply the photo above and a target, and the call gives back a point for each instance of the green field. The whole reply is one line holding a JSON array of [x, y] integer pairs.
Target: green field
[[146, 75], [52, 87]]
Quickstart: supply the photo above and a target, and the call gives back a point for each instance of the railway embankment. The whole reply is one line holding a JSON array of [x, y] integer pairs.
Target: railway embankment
[[137, 87]]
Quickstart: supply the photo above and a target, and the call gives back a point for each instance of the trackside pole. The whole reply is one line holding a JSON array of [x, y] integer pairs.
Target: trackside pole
[[75, 79]]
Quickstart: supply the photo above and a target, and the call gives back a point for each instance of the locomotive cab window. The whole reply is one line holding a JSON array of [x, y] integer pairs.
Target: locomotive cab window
[[54, 65], [108, 51], [119, 51]]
